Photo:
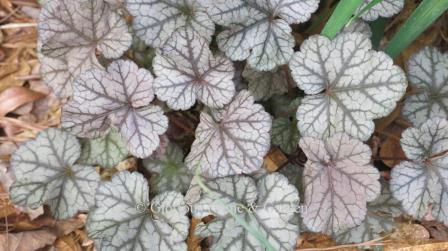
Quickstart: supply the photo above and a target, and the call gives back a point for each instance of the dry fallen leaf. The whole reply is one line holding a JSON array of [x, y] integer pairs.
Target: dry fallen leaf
[[308, 240], [26, 241], [10, 69], [15, 97], [194, 242], [390, 152], [437, 230], [274, 160], [410, 234], [68, 243]]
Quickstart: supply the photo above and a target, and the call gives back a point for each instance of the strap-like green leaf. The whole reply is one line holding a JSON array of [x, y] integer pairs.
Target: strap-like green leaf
[[340, 17], [425, 14]]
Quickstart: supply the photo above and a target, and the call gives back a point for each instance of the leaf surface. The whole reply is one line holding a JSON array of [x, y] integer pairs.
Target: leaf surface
[[379, 219], [358, 26], [106, 151], [428, 72], [285, 134], [187, 70], [265, 84], [424, 179], [46, 172], [125, 218], [385, 8], [259, 31], [119, 97], [339, 180], [272, 201], [169, 172], [347, 85], [233, 141], [69, 34], [156, 20]]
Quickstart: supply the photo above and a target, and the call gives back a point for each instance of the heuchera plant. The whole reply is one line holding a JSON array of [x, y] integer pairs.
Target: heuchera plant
[[427, 73], [423, 180], [119, 104], [385, 8]]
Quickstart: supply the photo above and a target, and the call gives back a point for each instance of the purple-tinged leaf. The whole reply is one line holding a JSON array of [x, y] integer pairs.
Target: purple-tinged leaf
[[339, 180], [259, 31], [70, 32], [156, 20], [187, 70], [233, 141], [119, 97]]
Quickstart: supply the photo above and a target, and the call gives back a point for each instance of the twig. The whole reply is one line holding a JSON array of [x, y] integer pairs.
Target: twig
[[25, 3], [21, 124], [367, 243], [14, 11], [390, 158], [18, 26], [13, 139], [438, 155], [28, 77]]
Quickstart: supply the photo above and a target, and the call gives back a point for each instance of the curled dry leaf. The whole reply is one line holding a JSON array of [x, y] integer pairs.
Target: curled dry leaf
[[339, 180], [119, 97], [348, 85], [428, 72], [14, 97], [187, 70], [231, 141], [271, 163], [259, 31], [69, 34], [423, 181], [125, 219], [28, 240], [46, 172], [156, 20]]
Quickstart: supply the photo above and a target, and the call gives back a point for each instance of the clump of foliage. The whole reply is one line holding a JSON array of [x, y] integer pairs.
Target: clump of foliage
[[120, 105]]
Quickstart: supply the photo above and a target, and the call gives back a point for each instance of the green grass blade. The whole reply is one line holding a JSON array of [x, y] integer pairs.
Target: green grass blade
[[255, 232], [340, 17], [425, 14]]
